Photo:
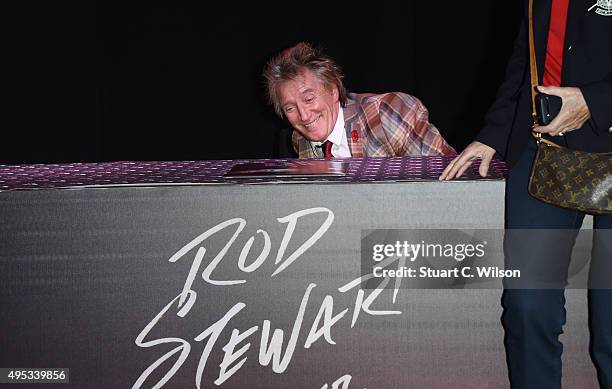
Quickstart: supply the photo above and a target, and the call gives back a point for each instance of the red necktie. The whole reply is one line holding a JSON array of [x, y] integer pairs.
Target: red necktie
[[327, 146], [553, 64]]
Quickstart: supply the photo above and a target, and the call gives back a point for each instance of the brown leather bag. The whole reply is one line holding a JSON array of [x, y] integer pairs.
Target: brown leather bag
[[572, 179], [567, 178]]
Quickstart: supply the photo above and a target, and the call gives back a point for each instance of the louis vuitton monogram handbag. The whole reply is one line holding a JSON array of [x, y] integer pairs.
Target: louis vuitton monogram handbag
[[572, 179], [568, 178]]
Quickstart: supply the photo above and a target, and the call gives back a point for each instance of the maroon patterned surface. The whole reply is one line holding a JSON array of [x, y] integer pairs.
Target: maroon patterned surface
[[211, 172]]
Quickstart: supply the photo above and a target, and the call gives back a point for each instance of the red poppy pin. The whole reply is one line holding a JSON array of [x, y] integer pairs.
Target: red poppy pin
[[354, 136]]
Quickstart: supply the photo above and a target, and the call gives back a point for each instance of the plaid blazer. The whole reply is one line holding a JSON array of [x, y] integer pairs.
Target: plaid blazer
[[385, 125]]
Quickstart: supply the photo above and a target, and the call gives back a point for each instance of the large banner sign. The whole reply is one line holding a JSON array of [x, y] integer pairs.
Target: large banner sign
[[240, 286]]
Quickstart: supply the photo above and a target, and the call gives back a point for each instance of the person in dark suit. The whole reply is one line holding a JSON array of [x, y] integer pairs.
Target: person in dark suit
[[305, 86], [573, 44]]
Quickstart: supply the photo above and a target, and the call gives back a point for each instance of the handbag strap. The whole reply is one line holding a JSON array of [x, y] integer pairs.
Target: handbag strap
[[532, 66], [534, 81]]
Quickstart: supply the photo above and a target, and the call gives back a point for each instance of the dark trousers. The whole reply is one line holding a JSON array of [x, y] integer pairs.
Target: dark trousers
[[533, 319]]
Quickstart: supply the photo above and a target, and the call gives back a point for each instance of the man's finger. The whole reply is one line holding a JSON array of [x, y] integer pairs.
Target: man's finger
[[463, 169], [551, 128], [448, 168], [550, 90], [557, 125], [542, 129], [459, 166], [484, 165]]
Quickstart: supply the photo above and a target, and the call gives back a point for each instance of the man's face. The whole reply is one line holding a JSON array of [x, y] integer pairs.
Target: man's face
[[310, 107]]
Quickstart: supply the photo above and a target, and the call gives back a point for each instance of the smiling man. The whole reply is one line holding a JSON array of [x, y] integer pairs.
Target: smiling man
[[305, 86]]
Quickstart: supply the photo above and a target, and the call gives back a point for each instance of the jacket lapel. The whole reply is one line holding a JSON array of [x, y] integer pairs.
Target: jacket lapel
[[352, 126], [541, 24], [575, 17], [302, 145]]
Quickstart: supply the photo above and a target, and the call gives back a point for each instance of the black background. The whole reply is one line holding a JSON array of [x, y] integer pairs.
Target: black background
[[103, 81]]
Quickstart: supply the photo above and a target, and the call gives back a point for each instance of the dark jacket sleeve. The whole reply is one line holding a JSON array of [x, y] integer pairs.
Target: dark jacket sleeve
[[499, 118], [598, 96]]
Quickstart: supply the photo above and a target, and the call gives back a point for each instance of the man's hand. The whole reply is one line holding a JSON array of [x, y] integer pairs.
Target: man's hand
[[573, 114], [459, 165]]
